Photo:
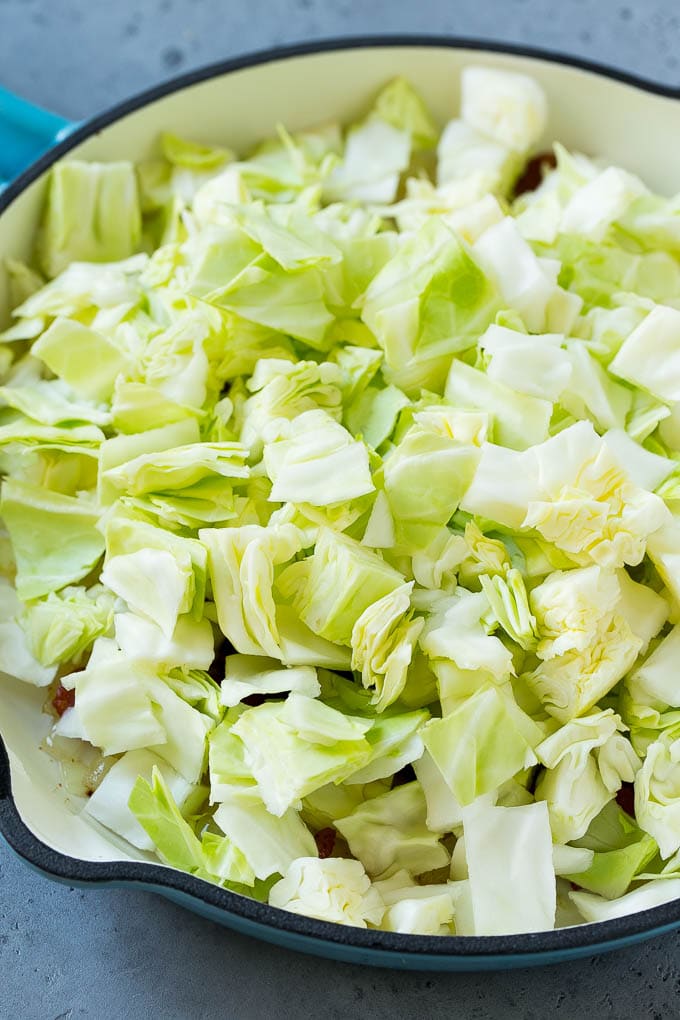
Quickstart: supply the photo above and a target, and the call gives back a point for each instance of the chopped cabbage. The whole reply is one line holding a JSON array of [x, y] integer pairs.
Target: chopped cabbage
[[481, 744], [92, 215], [512, 878], [586, 762], [331, 890], [340, 513], [109, 803], [505, 105], [60, 627], [383, 639], [315, 460], [391, 831], [656, 786]]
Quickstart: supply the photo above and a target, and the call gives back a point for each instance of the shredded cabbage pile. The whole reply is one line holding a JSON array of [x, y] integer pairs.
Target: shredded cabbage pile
[[341, 515]]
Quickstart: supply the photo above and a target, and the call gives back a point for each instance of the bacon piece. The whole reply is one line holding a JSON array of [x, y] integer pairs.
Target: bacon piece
[[62, 700], [325, 842], [534, 172]]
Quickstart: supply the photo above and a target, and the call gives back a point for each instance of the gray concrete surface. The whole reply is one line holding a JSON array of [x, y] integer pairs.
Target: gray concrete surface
[[124, 955], [68, 954], [83, 55]]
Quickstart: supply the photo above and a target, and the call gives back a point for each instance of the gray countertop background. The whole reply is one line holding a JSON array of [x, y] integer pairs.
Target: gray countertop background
[[122, 955], [80, 56]]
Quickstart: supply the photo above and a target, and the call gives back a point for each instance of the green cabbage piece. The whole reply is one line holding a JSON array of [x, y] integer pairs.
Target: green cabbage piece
[[510, 604], [316, 461], [390, 831], [15, 655], [422, 910], [296, 746], [598, 272], [621, 852], [506, 105], [511, 874], [229, 773], [657, 809], [54, 538], [444, 810], [400, 105], [383, 639], [195, 686], [395, 741], [159, 574], [428, 302], [185, 558], [92, 214], [481, 744], [109, 802], [651, 894], [426, 475], [50, 402], [572, 491], [334, 889], [63, 625], [123, 448], [374, 413], [287, 234], [151, 581], [241, 562], [229, 272], [245, 675], [187, 153], [110, 289], [457, 631], [124, 704], [179, 468], [136, 406], [212, 857], [23, 281], [190, 642], [592, 393], [269, 844], [520, 420], [467, 155], [342, 580], [285, 389], [655, 340], [83, 357], [375, 154], [586, 761], [154, 807], [536, 365]]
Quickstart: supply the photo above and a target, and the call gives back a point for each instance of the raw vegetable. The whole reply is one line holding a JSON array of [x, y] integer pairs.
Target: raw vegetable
[[339, 514]]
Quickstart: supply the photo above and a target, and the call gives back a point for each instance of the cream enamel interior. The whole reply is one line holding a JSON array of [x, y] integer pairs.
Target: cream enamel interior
[[627, 125]]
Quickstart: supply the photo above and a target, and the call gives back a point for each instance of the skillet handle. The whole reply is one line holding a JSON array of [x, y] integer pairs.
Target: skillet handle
[[26, 132]]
